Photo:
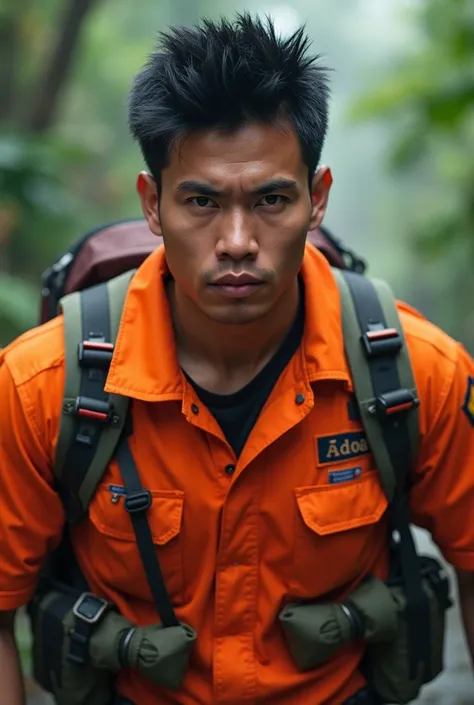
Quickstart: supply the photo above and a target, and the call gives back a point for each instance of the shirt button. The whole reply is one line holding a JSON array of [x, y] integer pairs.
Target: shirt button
[[194, 408], [300, 398], [230, 469]]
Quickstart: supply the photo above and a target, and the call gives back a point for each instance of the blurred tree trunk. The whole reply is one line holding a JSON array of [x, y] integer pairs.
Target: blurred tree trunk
[[42, 113], [31, 88]]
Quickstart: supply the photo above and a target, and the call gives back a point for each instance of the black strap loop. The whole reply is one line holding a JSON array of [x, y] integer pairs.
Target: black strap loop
[[137, 503]]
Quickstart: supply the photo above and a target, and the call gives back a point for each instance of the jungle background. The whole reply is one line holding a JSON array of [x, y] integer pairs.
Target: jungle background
[[401, 148]]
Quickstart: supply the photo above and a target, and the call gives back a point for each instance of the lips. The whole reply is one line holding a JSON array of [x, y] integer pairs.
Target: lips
[[237, 280], [237, 286]]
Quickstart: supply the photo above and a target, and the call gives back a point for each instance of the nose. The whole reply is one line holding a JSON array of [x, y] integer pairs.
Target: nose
[[237, 237]]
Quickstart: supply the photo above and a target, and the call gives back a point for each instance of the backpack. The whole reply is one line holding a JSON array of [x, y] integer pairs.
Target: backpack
[[88, 285]]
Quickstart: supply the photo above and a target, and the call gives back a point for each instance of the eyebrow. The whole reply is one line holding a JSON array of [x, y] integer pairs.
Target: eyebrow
[[264, 189]]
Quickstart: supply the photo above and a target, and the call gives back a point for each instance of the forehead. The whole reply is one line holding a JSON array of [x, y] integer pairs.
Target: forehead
[[249, 154]]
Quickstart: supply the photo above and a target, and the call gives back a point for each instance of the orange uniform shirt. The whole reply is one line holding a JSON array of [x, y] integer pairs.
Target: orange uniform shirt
[[234, 545]]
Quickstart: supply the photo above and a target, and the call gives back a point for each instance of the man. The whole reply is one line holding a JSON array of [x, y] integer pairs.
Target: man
[[231, 349]]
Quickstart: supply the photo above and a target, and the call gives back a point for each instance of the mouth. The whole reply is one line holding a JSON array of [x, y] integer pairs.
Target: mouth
[[237, 286]]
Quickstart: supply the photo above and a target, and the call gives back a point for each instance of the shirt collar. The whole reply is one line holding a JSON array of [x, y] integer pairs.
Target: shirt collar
[[145, 365]]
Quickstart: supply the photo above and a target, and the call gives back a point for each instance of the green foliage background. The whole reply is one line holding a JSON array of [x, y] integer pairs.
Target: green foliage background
[[428, 101]]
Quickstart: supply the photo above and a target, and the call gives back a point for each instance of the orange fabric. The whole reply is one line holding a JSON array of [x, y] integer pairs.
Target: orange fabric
[[233, 549]]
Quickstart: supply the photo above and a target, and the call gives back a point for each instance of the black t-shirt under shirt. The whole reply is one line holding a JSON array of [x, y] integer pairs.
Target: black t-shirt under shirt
[[237, 413]]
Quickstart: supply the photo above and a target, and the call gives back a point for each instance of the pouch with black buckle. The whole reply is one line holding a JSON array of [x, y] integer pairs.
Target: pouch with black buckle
[[81, 642], [387, 664], [63, 622], [314, 632]]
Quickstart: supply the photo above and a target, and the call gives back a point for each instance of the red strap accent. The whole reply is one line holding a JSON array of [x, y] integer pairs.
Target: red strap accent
[[382, 334], [92, 345], [99, 415], [399, 407]]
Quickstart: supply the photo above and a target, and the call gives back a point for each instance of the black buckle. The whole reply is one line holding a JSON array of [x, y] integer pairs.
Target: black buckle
[[93, 409], [395, 402], [138, 502], [89, 608], [383, 341], [95, 353]]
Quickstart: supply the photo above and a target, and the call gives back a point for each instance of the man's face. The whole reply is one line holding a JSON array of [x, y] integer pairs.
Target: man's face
[[234, 211]]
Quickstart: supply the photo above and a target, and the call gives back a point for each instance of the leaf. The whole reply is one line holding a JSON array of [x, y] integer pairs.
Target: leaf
[[448, 108], [407, 147]]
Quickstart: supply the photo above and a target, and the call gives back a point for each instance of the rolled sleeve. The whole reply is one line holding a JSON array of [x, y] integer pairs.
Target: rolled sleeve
[[442, 498], [31, 514]]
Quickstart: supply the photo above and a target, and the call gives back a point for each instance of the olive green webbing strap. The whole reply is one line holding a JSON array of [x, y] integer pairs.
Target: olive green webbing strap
[[92, 420], [390, 476], [385, 390]]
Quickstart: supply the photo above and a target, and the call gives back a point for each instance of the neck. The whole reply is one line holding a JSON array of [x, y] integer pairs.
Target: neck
[[223, 358]]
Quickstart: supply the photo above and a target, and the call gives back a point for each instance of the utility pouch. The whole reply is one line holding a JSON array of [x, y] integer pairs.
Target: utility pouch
[[387, 665], [161, 654], [60, 662], [314, 632], [80, 642]]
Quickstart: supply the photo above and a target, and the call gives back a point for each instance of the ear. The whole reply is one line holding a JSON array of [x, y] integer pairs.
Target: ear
[[149, 199], [320, 187]]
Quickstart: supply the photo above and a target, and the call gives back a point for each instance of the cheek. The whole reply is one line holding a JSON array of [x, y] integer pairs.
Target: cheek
[[293, 256], [187, 255], [286, 249]]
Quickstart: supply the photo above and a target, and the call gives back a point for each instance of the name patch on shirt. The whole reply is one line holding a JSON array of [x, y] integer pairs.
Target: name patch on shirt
[[347, 475], [342, 446], [468, 406]]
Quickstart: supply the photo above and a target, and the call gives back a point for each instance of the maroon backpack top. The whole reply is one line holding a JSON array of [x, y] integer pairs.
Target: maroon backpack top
[[110, 250]]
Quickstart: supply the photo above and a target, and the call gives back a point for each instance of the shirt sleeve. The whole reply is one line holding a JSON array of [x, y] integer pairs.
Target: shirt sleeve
[[31, 514], [442, 498]]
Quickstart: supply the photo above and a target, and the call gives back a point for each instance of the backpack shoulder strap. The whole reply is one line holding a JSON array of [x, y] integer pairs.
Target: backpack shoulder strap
[[382, 376], [91, 420]]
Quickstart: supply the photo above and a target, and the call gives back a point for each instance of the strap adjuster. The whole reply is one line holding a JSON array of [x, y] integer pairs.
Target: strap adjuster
[[93, 409], [95, 354], [384, 341], [89, 608], [138, 502], [395, 402]]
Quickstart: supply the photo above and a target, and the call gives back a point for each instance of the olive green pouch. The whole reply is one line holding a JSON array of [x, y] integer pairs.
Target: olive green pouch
[[70, 683], [160, 654], [314, 632], [387, 665]]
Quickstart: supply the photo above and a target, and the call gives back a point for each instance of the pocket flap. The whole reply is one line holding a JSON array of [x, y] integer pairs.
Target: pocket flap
[[112, 519], [327, 509]]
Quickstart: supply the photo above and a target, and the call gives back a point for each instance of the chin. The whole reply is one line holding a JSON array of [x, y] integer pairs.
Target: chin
[[236, 315]]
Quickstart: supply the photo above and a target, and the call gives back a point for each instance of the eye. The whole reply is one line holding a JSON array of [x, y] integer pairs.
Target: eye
[[202, 202], [273, 199]]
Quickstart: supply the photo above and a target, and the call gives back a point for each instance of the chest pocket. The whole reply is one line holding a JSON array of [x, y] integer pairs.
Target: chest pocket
[[113, 542], [336, 535]]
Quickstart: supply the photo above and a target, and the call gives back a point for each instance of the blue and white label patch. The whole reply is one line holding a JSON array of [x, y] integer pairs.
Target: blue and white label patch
[[347, 475], [342, 446], [117, 490], [468, 406]]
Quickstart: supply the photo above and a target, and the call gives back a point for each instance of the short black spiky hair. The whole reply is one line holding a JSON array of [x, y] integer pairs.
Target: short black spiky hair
[[223, 75]]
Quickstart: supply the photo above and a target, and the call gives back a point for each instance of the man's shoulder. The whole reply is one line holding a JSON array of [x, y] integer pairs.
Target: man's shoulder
[[426, 341], [440, 365], [36, 351]]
